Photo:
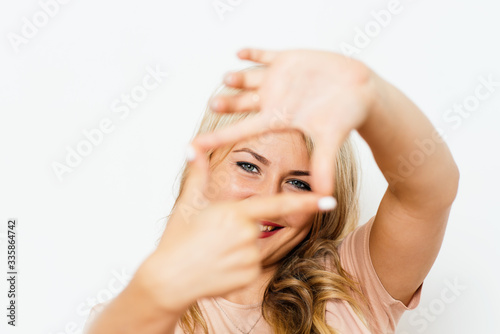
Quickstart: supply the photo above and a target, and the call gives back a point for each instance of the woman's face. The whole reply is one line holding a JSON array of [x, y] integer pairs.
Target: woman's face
[[267, 165]]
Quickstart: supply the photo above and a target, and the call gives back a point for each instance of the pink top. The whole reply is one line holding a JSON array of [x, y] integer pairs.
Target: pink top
[[355, 259]]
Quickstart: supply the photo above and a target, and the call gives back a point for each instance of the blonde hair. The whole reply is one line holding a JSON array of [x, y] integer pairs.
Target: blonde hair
[[296, 296]]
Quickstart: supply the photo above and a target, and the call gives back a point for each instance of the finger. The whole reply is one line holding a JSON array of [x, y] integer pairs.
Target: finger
[[258, 55], [323, 163], [254, 125], [270, 207], [197, 178], [241, 254], [241, 102], [246, 79]]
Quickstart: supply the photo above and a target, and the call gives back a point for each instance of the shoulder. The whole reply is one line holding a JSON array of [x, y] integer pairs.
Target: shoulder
[[354, 254]]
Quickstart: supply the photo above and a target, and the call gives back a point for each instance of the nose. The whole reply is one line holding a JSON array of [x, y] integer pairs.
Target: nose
[[270, 185]]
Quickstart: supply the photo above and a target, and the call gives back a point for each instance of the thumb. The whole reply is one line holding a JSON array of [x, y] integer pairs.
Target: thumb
[[193, 197], [245, 128]]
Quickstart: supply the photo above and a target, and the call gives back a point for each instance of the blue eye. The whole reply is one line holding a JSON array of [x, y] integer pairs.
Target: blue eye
[[302, 185], [248, 167], [243, 166]]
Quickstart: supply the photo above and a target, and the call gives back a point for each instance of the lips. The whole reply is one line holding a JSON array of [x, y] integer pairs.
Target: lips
[[268, 229], [266, 223]]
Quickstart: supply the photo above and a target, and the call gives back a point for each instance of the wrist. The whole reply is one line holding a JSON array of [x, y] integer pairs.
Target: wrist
[[375, 95], [131, 312], [163, 286]]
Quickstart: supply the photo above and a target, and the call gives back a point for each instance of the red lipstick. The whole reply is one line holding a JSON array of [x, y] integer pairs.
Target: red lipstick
[[266, 234], [263, 222]]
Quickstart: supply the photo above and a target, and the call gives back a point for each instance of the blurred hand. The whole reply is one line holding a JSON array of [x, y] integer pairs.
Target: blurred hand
[[210, 248], [323, 94]]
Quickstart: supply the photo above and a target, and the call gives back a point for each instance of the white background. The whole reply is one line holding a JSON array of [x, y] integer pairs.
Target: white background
[[77, 235]]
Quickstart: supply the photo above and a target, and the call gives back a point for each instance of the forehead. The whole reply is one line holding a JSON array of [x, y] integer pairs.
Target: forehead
[[275, 145]]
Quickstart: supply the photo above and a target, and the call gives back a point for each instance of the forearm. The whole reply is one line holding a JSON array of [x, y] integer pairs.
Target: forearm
[[413, 158], [130, 312]]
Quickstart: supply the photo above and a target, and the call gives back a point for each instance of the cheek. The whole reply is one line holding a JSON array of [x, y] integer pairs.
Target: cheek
[[225, 183], [300, 221], [299, 225]]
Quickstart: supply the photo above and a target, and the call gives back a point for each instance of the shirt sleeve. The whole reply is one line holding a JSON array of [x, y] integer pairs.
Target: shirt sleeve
[[355, 259]]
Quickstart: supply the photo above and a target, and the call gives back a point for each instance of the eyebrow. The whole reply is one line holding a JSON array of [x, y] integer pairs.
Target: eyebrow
[[267, 162]]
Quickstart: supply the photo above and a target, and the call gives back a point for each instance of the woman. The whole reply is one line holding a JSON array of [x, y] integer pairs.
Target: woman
[[316, 272]]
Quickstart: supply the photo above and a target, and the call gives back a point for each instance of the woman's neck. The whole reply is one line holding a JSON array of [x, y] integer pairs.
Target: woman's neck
[[254, 292]]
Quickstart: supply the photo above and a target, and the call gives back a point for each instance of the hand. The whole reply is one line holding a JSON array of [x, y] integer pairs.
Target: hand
[[316, 92], [210, 248]]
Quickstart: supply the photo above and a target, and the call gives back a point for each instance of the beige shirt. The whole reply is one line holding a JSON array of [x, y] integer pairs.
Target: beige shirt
[[355, 259]]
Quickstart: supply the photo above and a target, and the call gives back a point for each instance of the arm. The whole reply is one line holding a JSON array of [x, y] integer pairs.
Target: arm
[[423, 179], [325, 97], [132, 312], [192, 261]]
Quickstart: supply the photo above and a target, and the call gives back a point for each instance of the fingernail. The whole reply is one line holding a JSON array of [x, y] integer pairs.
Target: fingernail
[[190, 152], [327, 203]]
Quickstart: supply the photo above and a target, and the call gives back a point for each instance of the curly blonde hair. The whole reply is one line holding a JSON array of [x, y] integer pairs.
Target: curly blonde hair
[[296, 296]]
